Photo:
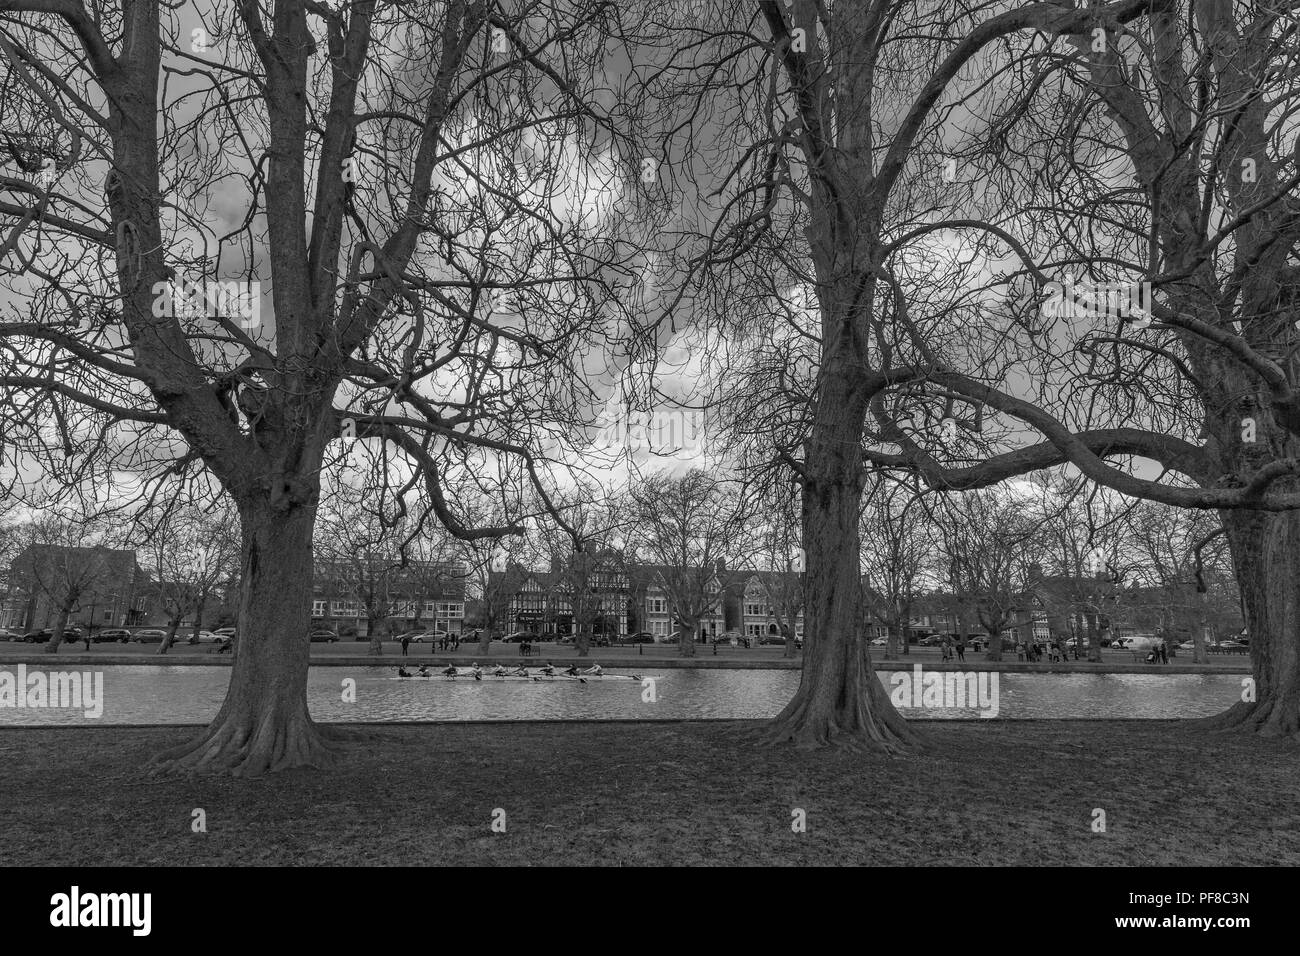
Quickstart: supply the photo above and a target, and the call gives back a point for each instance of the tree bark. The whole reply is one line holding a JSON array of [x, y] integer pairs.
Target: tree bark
[[686, 639], [1266, 556], [789, 650], [891, 642], [582, 641], [995, 644], [60, 625], [840, 701], [263, 725], [169, 637]]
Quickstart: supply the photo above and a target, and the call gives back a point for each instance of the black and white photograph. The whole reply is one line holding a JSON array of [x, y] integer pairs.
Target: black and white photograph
[[709, 434]]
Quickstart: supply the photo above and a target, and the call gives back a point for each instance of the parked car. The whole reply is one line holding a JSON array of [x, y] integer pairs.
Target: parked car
[[109, 634], [931, 640], [1230, 647], [640, 637], [323, 637], [225, 632], [519, 637], [8, 635], [39, 636], [205, 637], [879, 641], [149, 635]]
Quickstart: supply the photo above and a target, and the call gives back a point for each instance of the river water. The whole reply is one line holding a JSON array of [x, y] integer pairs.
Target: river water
[[178, 694]]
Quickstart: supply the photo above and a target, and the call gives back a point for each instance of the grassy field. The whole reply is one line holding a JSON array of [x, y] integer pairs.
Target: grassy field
[[691, 793]]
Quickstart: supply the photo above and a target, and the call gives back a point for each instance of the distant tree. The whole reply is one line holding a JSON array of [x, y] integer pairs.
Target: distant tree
[[190, 557], [63, 561], [685, 526], [988, 540], [897, 550]]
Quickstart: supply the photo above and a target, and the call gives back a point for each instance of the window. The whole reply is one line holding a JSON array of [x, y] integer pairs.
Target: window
[[318, 608], [755, 610], [659, 628], [429, 607], [754, 630], [656, 605]]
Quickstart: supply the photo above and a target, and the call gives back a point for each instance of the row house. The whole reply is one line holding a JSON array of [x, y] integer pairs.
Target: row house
[[768, 600], [621, 600], [653, 610], [518, 599]]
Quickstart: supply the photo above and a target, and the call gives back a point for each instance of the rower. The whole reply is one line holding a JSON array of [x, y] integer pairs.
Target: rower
[[573, 671], [401, 672], [520, 671], [450, 670], [499, 671], [424, 670], [476, 671], [594, 670], [549, 669]]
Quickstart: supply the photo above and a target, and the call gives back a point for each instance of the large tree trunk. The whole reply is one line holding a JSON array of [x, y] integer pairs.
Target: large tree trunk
[[1266, 555], [170, 637], [789, 650], [995, 643], [376, 632], [686, 638], [264, 725], [891, 641], [840, 700], [582, 641]]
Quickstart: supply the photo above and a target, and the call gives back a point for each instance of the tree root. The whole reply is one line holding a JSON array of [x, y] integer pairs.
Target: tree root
[[240, 747], [854, 728], [1256, 717]]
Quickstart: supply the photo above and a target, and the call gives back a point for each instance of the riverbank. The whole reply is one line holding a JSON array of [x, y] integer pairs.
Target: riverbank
[[661, 794], [350, 654]]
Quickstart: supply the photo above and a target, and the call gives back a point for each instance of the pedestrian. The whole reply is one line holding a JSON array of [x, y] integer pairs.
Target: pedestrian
[[1020, 650], [961, 649], [86, 638], [406, 643], [1164, 651]]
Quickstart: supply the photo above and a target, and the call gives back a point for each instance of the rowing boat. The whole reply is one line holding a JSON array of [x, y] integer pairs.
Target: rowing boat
[[465, 673]]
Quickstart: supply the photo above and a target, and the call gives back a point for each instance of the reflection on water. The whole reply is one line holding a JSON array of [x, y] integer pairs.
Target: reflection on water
[[179, 694]]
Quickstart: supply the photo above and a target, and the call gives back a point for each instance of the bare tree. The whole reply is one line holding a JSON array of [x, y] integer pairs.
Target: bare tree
[[1132, 198], [989, 540], [807, 191], [279, 231], [62, 563], [897, 550], [683, 530], [190, 557]]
